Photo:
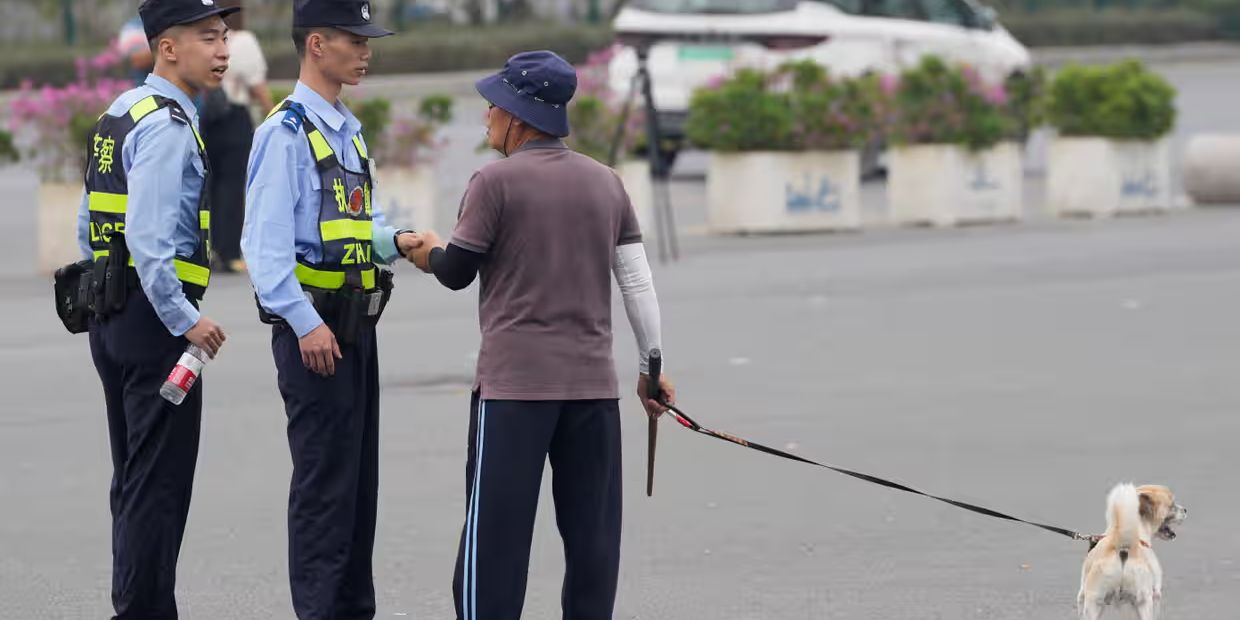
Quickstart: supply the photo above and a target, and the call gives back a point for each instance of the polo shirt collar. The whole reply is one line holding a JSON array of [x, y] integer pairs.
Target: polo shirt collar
[[542, 143]]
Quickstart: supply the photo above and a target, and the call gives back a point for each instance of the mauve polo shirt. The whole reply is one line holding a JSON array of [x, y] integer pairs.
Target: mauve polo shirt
[[548, 221]]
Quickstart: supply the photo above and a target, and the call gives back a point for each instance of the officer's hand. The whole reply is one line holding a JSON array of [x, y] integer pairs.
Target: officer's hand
[[407, 243], [206, 334], [668, 391], [319, 351]]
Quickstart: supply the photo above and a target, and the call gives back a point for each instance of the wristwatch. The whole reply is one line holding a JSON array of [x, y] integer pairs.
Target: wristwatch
[[397, 243]]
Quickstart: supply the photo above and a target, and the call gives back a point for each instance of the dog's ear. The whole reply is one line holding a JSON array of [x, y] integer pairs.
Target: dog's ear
[[1147, 506]]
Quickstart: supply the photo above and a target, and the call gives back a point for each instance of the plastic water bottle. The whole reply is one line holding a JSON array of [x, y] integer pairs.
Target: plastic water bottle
[[184, 374]]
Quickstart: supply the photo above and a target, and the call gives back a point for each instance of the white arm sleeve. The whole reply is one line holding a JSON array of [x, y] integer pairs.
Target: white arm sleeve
[[640, 302]]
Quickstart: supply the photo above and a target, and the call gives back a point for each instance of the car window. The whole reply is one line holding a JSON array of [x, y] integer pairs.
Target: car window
[[724, 7], [902, 9], [945, 12]]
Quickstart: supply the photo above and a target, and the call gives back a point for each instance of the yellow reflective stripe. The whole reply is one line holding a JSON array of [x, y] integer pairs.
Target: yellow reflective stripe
[[104, 202], [321, 149], [330, 280], [104, 254], [276, 109], [197, 136], [191, 273], [335, 230], [361, 148], [204, 220], [186, 271], [142, 108], [368, 209]]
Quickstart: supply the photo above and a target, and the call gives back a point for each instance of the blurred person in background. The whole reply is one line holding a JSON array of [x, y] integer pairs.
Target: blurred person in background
[[228, 130], [133, 47]]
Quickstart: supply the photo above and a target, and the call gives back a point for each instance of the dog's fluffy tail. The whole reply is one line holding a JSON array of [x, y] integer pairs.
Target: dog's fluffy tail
[[1123, 518]]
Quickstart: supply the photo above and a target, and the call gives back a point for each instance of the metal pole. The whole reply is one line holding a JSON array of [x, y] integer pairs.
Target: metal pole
[[670, 222], [613, 154], [658, 175], [398, 15], [66, 9]]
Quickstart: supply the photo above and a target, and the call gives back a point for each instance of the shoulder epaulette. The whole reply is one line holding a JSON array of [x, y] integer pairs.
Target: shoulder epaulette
[[294, 116], [178, 114]]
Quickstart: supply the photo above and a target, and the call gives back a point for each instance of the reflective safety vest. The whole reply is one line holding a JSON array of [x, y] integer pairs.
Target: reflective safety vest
[[344, 212], [107, 188]]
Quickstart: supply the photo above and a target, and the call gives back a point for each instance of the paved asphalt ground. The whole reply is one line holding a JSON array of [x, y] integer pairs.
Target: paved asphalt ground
[[1027, 368]]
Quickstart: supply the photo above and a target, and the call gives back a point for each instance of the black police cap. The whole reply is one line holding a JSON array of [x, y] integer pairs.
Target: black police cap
[[351, 16], [160, 15]]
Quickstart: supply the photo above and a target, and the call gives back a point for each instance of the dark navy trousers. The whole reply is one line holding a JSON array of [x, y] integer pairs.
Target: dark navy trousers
[[154, 447], [508, 443], [333, 436]]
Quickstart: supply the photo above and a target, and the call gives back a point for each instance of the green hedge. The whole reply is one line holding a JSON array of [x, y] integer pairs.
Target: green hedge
[[419, 50], [454, 48], [1124, 100], [41, 64], [449, 48]]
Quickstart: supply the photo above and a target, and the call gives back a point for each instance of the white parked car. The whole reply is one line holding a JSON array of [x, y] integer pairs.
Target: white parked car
[[691, 42]]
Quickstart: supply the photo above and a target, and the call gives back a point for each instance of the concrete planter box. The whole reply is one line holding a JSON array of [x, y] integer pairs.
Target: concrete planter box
[[947, 185], [407, 196], [766, 192], [635, 174], [1101, 177], [56, 227]]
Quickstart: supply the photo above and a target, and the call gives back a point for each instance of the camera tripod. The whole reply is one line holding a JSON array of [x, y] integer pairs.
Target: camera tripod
[[660, 169]]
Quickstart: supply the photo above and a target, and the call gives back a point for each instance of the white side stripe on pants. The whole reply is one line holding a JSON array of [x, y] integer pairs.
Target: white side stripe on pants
[[469, 598]]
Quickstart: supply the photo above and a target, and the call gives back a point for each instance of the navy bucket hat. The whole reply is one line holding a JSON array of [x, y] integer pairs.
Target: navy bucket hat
[[534, 87]]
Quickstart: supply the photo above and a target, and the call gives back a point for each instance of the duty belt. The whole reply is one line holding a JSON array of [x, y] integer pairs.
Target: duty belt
[[345, 309]]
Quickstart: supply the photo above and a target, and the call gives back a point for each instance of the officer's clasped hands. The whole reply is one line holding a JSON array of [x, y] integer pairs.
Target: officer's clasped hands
[[407, 242]]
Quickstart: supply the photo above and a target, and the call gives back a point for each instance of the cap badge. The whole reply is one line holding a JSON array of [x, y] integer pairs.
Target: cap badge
[[365, 11]]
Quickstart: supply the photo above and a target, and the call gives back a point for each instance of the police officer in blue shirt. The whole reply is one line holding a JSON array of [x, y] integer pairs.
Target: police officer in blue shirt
[[312, 239], [144, 222]]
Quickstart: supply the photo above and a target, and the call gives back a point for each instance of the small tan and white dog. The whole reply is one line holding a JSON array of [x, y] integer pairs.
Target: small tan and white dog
[[1122, 567]]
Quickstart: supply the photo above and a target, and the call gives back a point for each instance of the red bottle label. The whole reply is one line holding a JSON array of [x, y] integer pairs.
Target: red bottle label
[[183, 377]]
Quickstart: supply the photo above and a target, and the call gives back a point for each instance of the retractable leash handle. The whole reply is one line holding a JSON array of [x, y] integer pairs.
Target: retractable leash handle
[[655, 393]]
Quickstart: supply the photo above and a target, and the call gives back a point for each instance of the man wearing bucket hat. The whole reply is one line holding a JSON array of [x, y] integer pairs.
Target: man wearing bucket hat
[[544, 228], [312, 240]]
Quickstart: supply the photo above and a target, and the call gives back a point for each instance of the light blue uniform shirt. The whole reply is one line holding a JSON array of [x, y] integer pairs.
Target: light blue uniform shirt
[[282, 206], [165, 174]]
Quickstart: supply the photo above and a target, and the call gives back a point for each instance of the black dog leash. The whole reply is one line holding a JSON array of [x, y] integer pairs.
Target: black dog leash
[[688, 423]]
